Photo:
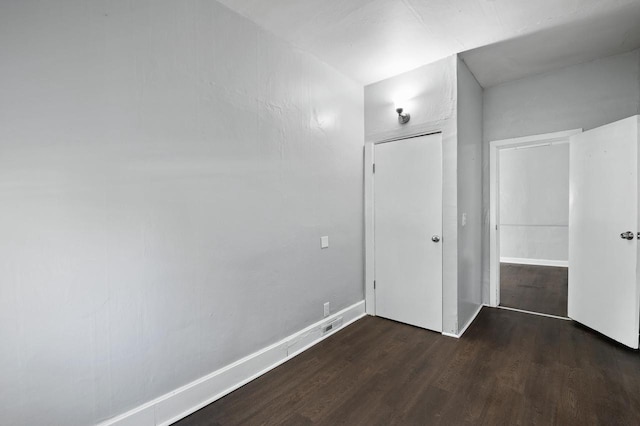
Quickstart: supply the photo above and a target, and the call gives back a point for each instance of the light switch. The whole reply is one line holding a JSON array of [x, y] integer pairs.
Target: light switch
[[324, 242], [464, 219]]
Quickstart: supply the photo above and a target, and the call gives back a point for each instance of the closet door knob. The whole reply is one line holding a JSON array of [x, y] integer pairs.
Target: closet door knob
[[435, 238], [627, 235]]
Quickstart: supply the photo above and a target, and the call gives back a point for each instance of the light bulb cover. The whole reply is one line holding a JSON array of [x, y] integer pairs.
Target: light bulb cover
[[403, 118]]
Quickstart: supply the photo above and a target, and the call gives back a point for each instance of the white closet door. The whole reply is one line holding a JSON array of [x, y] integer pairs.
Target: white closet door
[[408, 229], [603, 278]]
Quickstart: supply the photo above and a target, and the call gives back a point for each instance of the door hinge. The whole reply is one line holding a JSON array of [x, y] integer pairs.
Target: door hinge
[[374, 167], [374, 284]]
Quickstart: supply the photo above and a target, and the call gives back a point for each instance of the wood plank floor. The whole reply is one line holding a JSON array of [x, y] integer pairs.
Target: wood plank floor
[[509, 368], [534, 288]]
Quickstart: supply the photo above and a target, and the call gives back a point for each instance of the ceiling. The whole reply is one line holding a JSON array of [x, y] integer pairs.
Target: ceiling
[[370, 40]]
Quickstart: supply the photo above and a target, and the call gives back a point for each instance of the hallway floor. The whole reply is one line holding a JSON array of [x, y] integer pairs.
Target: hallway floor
[[533, 288], [508, 368]]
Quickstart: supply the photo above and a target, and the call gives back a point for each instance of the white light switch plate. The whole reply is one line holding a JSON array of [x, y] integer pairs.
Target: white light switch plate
[[464, 219], [324, 242]]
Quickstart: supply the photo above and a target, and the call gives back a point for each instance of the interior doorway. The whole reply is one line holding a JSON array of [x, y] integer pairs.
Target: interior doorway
[[529, 223], [534, 227]]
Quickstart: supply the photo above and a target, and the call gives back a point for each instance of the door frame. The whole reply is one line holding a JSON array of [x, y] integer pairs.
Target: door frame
[[494, 196], [369, 200]]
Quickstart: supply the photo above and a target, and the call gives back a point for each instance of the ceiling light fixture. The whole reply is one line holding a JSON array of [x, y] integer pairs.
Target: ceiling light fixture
[[403, 118]]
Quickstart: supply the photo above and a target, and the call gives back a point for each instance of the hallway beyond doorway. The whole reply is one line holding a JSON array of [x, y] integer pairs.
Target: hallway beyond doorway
[[541, 289]]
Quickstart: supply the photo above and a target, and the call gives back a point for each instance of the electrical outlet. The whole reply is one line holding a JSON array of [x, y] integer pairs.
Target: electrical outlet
[[327, 309], [333, 325]]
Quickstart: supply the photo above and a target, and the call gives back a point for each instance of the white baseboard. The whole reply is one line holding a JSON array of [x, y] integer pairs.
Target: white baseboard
[[473, 317], [181, 402], [539, 262]]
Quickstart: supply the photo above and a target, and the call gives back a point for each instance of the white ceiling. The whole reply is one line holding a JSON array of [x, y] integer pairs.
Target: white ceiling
[[370, 40]]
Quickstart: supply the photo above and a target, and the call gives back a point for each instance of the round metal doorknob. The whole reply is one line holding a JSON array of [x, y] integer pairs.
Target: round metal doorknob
[[435, 238], [627, 235]]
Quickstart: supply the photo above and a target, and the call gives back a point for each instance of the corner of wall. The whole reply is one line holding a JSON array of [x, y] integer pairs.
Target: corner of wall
[[469, 193], [638, 87]]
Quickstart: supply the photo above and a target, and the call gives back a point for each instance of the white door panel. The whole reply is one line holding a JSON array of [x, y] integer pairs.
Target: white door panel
[[603, 279], [407, 213]]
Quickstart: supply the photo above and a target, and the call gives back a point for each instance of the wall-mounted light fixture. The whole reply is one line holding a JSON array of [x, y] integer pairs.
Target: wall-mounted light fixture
[[403, 118]]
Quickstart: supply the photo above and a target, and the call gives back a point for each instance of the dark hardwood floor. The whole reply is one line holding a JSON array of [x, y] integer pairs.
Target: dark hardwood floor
[[509, 368], [534, 288]]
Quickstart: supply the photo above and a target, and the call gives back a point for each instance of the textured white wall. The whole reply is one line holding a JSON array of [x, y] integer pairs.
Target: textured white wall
[[469, 194], [584, 96], [166, 171], [428, 93], [534, 202]]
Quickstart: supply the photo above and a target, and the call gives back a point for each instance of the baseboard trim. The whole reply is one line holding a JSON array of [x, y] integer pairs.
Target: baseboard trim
[[177, 404], [473, 317], [538, 262]]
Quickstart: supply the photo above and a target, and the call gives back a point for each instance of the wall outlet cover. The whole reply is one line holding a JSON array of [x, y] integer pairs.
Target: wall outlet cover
[[324, 242], [327, 309]]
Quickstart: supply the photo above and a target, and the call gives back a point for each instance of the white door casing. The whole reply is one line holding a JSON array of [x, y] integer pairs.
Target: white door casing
[[407, 214], [494, 197], [603, 276]]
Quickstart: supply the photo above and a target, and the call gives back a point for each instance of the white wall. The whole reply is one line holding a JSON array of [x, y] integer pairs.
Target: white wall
[[534, 203], [429, 94], [469, 194], [581, 96], [166, 172]]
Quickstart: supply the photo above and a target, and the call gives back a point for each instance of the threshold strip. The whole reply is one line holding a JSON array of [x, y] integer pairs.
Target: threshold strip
[[534, 313]]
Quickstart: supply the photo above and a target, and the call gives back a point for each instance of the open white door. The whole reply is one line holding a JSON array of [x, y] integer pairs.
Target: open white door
[[408, 226], [603, 275]]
